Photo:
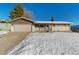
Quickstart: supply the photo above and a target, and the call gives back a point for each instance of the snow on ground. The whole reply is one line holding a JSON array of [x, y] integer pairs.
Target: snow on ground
[[3, 32], [56, 43]]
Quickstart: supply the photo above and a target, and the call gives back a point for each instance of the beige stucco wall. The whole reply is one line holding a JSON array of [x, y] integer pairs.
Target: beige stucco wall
[[61, 27], [35, 29], [29, 28], [12, 28]]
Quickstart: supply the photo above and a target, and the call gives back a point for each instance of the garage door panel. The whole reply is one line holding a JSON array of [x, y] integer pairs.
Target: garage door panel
[[22, 28]]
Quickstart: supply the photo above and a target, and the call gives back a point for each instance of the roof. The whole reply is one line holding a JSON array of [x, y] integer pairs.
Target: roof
[[46, 22], [21, 18], [42, 22], [53, 22]]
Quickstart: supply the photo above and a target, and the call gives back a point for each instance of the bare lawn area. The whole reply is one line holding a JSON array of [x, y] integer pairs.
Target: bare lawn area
[[56, 43], [9, 40]]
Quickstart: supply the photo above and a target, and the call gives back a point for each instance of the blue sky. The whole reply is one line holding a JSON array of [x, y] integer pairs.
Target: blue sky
[[44, 11]]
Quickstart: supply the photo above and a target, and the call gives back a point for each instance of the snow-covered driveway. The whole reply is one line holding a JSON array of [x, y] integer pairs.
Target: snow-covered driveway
[[56, 43]]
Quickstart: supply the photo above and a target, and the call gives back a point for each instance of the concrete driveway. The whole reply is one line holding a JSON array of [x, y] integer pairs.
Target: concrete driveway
[[9, 40]]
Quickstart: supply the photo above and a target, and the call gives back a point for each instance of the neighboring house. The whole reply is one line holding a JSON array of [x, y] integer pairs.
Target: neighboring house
[[5, 26], [23, 24]]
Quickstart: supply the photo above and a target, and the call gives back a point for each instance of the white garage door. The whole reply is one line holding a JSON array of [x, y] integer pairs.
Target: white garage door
[[22, 28]]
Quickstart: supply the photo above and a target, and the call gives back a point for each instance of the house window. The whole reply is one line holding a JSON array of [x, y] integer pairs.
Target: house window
[[65, 24], [54, 24], [41, 25], [36, 25]]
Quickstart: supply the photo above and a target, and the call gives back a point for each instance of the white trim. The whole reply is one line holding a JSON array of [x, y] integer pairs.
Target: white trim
[[50, 22]]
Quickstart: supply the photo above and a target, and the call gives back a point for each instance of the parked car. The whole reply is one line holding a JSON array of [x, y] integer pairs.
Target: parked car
[[75, 28]]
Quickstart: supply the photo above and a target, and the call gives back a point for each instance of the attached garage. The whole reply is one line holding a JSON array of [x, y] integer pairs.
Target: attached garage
[[22, 28], [21, 25]]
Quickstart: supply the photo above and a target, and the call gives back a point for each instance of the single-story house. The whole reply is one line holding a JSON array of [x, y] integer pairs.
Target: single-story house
[[23, 24]]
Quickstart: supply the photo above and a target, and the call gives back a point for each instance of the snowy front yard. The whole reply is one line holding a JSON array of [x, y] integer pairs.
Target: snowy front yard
[[56, 43]]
